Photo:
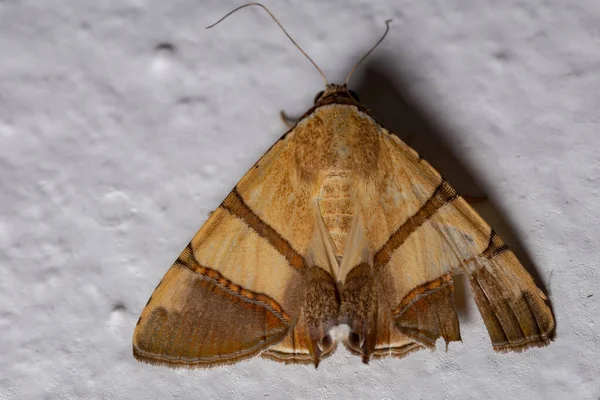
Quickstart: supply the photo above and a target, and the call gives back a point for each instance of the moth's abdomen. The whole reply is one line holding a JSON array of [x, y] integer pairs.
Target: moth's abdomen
[[336, 204]]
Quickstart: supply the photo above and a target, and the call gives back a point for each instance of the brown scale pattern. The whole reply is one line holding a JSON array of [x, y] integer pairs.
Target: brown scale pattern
[[255, 292]]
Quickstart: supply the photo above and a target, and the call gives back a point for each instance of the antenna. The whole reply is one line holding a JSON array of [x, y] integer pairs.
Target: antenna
[[282, 28], [387, 29]]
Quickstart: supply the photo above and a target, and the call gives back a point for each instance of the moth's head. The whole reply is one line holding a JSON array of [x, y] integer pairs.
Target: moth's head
[[335, 92]]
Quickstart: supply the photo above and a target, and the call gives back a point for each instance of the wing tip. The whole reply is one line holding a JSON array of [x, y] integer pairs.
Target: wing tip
[[198, 364], [389, 352], [175, 364], [297, 358], [523, 345], [517, 318], [287, 360], [181, 363]]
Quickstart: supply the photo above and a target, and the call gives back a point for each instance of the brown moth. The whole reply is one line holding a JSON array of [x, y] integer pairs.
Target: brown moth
[[340, 222]]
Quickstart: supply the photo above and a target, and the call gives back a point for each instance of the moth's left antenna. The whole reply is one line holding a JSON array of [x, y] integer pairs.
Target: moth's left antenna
[[282, 28]]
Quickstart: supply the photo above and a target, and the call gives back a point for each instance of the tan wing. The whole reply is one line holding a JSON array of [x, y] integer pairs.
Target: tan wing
[[420, 233], [255, 277]]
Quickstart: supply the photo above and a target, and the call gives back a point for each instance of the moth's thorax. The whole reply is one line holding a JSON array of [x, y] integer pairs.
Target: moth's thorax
[[336, 137]]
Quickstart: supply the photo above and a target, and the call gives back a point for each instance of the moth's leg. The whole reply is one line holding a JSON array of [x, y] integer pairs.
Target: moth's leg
[[287, 120]]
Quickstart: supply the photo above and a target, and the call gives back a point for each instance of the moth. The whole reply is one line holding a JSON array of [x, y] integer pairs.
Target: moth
[[339, 223]]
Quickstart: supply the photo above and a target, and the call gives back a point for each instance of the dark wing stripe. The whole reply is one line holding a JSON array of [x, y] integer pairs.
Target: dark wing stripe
[[421, 291], [495, 247], [187, 260], [442, 195], [235, 205]]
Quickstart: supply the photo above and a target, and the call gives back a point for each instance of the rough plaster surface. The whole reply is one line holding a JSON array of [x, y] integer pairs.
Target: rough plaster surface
[[124, 122]]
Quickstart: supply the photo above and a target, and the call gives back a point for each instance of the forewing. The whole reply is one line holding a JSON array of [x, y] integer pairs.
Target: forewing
[[243, 284], [420, 233]]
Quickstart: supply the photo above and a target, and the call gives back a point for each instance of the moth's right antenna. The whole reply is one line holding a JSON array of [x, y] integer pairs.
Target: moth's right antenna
[[387, 29], [282, 28]]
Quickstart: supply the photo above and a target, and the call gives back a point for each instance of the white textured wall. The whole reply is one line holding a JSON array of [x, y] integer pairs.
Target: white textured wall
[[113, 149]]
